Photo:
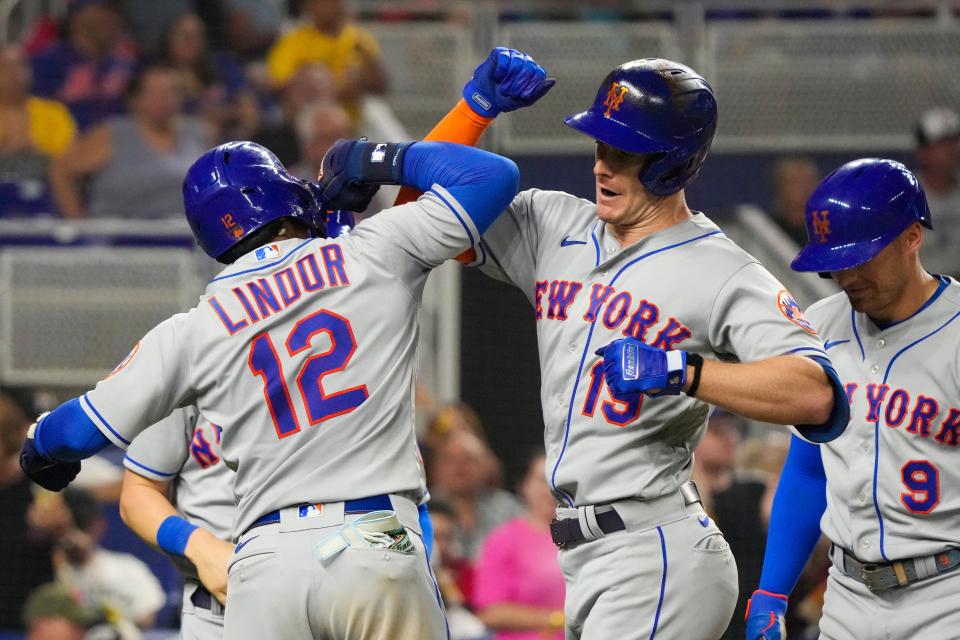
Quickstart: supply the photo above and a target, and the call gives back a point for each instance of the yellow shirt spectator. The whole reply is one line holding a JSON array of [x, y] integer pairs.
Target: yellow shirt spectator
[[352, 50], [52, 128]]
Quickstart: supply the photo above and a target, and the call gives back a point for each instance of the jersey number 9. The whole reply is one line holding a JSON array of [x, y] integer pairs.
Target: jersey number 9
[[923, 481], [320, 405]]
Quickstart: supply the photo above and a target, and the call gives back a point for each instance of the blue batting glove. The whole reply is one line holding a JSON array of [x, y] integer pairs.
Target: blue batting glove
[[765, 612], [630, 368], [507, 80], [49, 474]]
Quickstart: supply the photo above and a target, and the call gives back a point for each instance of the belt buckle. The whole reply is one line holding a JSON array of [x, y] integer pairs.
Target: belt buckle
[[871, 575]]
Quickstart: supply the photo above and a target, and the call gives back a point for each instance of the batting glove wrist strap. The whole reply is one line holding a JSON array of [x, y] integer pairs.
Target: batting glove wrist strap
[[378, 162], [631, 367]]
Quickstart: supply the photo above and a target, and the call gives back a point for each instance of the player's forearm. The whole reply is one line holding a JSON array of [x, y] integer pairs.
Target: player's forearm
[[783, 390], [144, 506], [506, 616], [482, 182], [461, 125], [66, 434], [794, 527]]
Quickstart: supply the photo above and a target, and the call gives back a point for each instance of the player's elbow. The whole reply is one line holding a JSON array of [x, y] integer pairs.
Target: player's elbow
[[503, 181], [819, 405]]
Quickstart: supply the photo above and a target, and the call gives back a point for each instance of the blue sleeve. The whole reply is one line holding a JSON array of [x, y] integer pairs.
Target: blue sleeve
[[68, 435], [794, 530], [426, 528], [839, 415], [482, 182]]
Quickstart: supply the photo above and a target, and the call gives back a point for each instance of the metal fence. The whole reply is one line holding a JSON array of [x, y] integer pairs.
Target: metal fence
[[799, 83]]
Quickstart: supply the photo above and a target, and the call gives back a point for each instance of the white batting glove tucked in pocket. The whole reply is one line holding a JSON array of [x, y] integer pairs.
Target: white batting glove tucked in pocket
[[374, 530]]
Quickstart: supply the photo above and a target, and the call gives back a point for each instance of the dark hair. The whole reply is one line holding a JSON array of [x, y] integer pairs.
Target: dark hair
[[83, 507], [205, 69], [439, 506], [136, 82]]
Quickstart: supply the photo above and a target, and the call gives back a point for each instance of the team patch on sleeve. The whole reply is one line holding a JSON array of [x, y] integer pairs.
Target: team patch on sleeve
[[123, 363], [788, 305]]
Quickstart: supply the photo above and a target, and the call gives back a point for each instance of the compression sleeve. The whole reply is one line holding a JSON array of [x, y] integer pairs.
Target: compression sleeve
[[798, 505], [836, 424], [460, 125], [66, 434], [482, 182]]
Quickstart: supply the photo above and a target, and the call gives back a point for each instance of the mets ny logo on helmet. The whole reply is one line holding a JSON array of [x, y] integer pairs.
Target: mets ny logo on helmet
[[614, 98], [821, 224]]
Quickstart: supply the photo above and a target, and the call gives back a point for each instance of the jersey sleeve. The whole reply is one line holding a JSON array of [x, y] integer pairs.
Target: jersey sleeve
[[161, 450], [152, 381], [754, 317], [421, 235], [508, 250]]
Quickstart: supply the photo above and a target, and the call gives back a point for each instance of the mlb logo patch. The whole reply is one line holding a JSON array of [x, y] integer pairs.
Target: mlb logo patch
[[310, 510], [268, 251], [379, 153]]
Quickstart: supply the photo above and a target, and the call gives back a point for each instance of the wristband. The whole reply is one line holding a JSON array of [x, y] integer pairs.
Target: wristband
[[381, 162], [173, 534], [695, 360]]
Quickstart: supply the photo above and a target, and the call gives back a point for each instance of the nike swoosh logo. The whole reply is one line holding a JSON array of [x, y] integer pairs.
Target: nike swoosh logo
[[704, 521], [243, 544], [832, 343], [567, 242]]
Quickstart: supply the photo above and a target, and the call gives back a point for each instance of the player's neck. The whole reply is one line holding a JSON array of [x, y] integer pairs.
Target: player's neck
[[661, 215], [916, 292]]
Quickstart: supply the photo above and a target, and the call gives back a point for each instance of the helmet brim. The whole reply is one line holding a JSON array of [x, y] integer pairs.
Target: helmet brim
[[614, 133], [827, 258]]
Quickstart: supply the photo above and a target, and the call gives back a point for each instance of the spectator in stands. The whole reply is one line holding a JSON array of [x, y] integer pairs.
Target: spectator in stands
[[24, 554], [327, 35], [794, 179], [135, 162], [213, 83], [319, 125], [460, 471], [938, 168], [252, 26], [32, 131], [454, 575], [310, 84], [519, 588], [120, 582], [90, 69], [54, 613]]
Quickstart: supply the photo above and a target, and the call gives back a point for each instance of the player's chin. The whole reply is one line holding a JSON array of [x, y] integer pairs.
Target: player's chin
[[609, 214]]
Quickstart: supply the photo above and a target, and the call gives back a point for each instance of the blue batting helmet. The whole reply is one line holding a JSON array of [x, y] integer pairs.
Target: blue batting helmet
[[658, 107], [858, 210], [236, 188]]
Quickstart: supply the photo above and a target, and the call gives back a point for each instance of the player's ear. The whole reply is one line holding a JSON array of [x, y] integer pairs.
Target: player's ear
[[912, 237]]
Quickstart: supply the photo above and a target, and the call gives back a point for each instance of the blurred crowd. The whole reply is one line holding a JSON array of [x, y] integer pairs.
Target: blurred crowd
[[97, 101]]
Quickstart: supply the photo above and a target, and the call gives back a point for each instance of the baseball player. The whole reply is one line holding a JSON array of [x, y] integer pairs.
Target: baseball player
[[313, 392], [646, 315], [881, 493]]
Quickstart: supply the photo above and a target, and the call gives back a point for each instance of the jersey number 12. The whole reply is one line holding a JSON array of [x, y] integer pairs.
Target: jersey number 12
[[320, 405]]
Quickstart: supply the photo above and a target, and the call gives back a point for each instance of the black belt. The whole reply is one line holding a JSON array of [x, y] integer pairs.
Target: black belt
[[881, 576], [203, 599], [567, 531]]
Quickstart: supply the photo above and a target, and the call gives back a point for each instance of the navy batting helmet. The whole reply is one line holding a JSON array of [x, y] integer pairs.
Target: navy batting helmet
[[858, 210], [658, 107], [235, 189]]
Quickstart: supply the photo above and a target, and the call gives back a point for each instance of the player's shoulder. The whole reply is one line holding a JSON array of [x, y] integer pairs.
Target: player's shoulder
[[951, 293], [714, 249], [554, 212], [829, 310]]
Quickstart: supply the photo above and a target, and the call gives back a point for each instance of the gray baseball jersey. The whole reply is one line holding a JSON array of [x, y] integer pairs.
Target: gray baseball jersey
[[303, 351], [685, 287], [890, 483], [184, 449]]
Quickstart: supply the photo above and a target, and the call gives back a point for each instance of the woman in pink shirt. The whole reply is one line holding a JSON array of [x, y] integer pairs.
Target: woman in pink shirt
[[518, 586]]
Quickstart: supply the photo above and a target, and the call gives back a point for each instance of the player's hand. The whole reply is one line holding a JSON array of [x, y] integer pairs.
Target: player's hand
[[507, 80], [49, 474], [336, 187], [765, 611], [210, 555], [630, 368]]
